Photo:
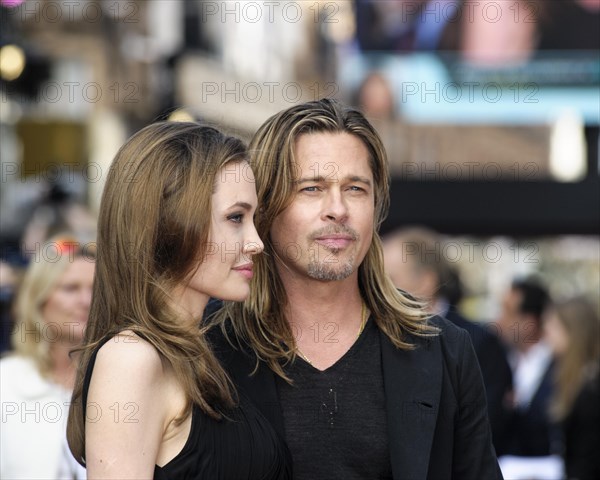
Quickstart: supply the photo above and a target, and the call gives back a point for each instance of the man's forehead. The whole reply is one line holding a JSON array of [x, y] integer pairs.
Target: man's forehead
[[314, 142], [322, 160]]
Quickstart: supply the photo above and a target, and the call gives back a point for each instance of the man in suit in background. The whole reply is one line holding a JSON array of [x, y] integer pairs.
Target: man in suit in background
[[531, 432]]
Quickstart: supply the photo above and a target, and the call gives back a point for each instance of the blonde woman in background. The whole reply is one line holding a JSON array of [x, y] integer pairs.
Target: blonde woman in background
[[572, 329], [51, 312]]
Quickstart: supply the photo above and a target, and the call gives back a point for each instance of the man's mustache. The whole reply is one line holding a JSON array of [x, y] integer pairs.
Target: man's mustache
[[334, 230]]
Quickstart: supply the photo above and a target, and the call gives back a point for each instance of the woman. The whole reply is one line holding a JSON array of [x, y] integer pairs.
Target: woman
[[151, 400], [572, 329], [51, 312]]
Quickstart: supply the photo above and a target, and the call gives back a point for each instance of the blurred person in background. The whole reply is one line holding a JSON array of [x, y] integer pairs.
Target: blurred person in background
[[415, 263], [8, 284], [375, 97], [572, 329], [513, 32], [58, 210], [51, 313], [175, 228], [405, 25], [532, 435], [487, 34]]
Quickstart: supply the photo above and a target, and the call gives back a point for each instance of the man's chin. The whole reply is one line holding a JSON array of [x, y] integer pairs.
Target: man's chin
[[324, 272]]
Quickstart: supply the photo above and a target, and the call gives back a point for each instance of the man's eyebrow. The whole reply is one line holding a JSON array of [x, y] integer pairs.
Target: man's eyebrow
[[318, 178], [358, 178], [321, 178]]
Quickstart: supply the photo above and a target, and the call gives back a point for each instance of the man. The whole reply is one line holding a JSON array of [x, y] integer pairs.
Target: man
[[531, 432], [352, 372], [415, 262]]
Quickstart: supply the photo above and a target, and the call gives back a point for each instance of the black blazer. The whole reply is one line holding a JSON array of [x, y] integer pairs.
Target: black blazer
[[496, 372], [436, 409]]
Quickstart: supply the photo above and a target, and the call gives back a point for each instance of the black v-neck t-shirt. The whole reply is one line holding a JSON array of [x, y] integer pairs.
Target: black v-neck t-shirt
[[335, 419]]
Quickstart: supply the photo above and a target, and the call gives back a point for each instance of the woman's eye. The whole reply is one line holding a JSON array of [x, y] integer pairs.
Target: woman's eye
[[68, 288], [236, 218]]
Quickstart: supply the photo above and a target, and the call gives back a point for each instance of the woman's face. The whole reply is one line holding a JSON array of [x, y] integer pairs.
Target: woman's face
[[226, 270], [66, 310], [555, 333]]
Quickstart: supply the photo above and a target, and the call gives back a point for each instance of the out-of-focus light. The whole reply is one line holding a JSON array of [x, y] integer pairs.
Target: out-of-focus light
[[568, 152], [11, 112], [11, 3], [181, 115], [342, 29], [12, 62]]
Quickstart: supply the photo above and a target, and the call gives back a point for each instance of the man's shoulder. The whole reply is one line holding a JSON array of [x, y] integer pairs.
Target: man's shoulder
[[485, 341], [448, 331], [450, 338]]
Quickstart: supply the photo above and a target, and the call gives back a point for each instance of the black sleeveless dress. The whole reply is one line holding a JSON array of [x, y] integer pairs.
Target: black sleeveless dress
[[243, 446]]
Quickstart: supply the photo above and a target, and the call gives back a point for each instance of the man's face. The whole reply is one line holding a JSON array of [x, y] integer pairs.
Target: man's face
[[403, 267], [511, 318], [326, 231]]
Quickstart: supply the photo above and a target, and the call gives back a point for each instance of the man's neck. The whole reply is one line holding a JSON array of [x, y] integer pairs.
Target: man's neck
[[325, 317], [529, 342], [531, 347], [310, 299]]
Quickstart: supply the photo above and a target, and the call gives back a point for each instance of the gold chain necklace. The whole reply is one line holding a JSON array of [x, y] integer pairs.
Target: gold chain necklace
[[363, 322]]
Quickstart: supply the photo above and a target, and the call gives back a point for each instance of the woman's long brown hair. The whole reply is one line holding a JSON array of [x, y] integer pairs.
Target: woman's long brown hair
[[153, 230]]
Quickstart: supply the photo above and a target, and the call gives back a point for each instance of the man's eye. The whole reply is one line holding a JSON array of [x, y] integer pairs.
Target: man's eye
[[310, 189]]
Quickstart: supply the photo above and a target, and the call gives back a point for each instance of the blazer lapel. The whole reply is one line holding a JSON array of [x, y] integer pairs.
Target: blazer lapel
[[412, 382]]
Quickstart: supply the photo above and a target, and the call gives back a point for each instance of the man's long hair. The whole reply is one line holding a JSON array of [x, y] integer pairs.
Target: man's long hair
[[260, 320]]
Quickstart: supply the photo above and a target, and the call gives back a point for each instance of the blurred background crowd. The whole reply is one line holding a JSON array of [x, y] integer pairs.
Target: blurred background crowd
[[490, 113]]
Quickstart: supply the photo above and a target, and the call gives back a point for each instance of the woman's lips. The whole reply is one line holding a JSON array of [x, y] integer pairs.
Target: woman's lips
[[245, 270]]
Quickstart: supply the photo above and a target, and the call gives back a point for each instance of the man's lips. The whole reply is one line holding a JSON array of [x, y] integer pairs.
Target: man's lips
[[245, 270], [336, 241]]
